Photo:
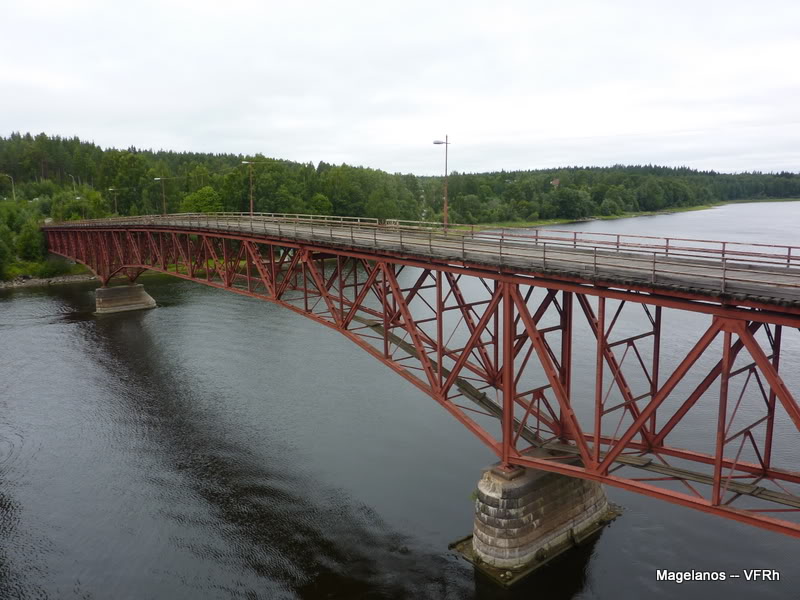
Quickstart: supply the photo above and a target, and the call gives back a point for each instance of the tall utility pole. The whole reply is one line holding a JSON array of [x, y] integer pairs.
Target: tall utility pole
[[446, 143], [116, 212], [249, 164], [163, 194]]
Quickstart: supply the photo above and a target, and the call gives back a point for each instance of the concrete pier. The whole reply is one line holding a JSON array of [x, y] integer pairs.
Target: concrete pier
[[524, 518], [122, 298]]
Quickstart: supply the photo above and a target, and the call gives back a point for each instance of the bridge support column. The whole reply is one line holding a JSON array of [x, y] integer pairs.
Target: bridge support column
[[526, 517], [122, 298]]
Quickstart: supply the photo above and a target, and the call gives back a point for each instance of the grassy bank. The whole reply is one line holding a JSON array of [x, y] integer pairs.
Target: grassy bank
[[52, 266]]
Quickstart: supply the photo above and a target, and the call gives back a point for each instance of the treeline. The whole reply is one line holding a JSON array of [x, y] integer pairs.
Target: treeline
[[72, 178], [66, 178]]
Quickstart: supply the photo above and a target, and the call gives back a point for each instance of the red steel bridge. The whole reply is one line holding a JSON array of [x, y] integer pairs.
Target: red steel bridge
[[560, 351]]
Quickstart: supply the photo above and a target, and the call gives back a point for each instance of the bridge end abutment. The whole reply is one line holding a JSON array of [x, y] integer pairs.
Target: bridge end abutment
[[525, 517], [122, 298]]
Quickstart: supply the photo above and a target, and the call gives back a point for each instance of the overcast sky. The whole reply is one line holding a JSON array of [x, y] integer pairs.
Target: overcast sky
[[516, 85]]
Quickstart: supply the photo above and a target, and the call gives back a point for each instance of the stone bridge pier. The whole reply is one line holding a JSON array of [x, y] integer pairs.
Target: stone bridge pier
[[122, 298], [525, 517]]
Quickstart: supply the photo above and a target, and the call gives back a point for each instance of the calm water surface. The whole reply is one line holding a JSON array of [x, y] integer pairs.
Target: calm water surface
[[223, 447]]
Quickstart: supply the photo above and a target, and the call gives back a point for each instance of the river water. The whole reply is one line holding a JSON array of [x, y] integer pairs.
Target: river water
[[223, 447]]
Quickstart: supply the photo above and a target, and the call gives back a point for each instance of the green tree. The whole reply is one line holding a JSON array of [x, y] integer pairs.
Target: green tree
[[287, 202], [572, 203], [651, 195], [30, 242], [320, 205], [5, 250], [204, 200], [381, 206], [609, 207]]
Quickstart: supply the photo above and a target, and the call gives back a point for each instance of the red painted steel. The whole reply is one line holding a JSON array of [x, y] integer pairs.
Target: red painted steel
[[504, 340]]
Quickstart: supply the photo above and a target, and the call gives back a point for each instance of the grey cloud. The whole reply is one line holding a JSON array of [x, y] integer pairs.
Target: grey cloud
[[517, 85]]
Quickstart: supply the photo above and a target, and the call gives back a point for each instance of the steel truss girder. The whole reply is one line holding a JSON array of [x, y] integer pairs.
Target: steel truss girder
[[490, 349]]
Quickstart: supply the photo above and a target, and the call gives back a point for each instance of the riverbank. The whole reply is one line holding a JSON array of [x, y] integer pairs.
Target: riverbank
[[23, 281], [626, 215]]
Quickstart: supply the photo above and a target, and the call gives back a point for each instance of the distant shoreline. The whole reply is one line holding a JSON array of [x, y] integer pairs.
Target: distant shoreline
[[43, 282], [543, 223]]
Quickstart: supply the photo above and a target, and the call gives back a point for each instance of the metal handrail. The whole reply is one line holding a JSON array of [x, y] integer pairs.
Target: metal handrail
[[663, 261]]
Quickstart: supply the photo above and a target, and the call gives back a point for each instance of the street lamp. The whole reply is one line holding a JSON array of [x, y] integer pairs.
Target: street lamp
[[163, 193], [249, 164], [446, 143], [115, 190], [73, 183], [13, 193]]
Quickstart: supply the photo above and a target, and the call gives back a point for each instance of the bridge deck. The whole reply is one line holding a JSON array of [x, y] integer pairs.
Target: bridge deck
[[722, 270]]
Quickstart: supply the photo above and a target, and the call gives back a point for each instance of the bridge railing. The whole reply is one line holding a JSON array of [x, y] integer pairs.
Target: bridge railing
[[208, 217], [755, 253], [659, 259]]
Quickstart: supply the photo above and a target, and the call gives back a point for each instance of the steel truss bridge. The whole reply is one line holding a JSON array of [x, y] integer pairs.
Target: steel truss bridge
[[553, 348]]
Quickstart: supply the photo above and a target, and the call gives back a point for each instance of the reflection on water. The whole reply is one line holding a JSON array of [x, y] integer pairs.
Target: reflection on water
[[563, 578], [221, 447]]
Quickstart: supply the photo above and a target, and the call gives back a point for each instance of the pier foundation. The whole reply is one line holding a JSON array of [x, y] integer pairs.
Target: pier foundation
[[525, 518], [122, 298]]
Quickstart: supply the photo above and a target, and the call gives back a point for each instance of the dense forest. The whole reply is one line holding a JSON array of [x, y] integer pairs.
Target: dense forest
[[65, 178]]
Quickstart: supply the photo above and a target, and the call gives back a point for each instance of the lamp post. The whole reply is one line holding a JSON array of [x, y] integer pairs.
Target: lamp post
[[249, 164], [115, 199], [446, 143], [163, 194], [73, 183], [13, 193]]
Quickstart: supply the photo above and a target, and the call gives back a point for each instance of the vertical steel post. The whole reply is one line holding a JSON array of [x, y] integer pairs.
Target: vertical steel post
[[776, 359], [385, 301], [509, 328], [439, 328], [716, 495], [565, 375], [656, 363], [598, 382]]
